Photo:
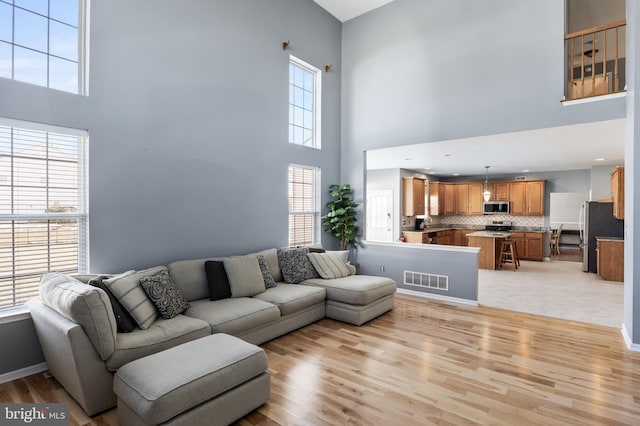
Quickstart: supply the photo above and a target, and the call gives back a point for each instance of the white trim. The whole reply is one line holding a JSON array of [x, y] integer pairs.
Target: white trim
[[23, 372], [627, 340], [595, 99], [437, 247], [43, 127], [437, 297], [18, 313]]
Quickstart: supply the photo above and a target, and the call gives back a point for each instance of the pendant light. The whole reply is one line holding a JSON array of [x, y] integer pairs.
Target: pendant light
[[486, 194]]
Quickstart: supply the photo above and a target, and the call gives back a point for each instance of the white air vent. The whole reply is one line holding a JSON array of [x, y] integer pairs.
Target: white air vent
[[521, 178], [422, 279]]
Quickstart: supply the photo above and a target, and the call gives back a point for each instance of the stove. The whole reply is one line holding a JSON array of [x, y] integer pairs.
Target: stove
[[498, 225]]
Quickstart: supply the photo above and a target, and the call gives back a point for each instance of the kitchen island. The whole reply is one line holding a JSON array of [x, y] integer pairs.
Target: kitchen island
[[490, 244]]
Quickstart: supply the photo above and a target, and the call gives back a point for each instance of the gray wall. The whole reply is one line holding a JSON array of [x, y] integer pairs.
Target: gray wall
[[418, 71], [460, 265], [21, 346], [601, 182], [187, 115], [632, 175]]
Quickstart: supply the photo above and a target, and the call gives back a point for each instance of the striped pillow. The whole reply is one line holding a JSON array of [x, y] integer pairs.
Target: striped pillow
[[126, 287], [328, 265]]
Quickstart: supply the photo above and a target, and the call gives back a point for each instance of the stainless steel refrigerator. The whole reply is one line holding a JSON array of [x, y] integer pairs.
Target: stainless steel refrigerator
[[596, 220]]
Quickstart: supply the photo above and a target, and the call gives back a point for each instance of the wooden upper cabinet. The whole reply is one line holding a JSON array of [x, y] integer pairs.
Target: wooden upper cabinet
[[518, 197], [436, 198], [501, 191], [617, 192], [475, 198], [535, 198], [462, 199], [413, 190], [449, 199], [527, 198]]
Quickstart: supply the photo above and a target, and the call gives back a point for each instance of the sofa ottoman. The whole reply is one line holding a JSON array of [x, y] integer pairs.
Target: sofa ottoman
[[356, 299], [213, 380]]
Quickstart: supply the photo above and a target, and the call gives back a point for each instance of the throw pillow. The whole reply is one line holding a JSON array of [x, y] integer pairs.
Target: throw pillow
[[126, 287], [340, 254], [328, 265], [245, 278], [217, 278], [164, 294], [295, 265], [269, 282], [124, 321], [352, 269]]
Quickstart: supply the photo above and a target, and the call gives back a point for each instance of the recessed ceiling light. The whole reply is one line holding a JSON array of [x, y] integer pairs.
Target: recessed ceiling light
[[407, 159], [599, 159], [525, 171], [456, 174], [448, 155]]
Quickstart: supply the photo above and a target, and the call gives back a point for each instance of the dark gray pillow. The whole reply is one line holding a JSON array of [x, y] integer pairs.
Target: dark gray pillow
[[219, 287], [295, 265], [164, 294], [124, 321], [269, 282]]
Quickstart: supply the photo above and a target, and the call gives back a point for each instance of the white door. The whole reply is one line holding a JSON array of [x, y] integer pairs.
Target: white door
[[379, 215]]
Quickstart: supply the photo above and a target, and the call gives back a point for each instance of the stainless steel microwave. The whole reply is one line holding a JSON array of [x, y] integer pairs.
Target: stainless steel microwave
[[495, 207]]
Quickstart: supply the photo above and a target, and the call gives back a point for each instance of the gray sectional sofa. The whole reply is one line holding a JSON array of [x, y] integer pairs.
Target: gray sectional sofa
[[77, 328]]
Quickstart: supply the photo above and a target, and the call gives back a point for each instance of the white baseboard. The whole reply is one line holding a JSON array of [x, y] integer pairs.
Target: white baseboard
[[23, 372], [627, 340], [437, 297]]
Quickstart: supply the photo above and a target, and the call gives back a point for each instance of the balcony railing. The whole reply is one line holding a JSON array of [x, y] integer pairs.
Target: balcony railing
[[596, 62]]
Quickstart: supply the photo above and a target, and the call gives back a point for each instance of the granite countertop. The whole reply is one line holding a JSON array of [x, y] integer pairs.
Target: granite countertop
[[489, 234], [438, 228], [617, 239]]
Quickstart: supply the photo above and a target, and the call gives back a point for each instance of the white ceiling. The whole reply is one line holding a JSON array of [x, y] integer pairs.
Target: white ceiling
[[348, 9], [572, 147]]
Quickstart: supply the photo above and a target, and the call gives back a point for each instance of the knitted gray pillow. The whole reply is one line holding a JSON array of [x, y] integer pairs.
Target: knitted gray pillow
[[295, 265], [269, 282]]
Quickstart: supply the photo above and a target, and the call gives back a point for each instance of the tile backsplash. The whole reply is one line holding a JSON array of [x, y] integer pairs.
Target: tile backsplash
[[529, 221]]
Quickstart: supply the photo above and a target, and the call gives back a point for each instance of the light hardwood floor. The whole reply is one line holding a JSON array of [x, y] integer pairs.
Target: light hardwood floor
[[433, 363]]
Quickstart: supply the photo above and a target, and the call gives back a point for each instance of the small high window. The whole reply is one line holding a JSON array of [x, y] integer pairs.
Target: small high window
[[304, 103], [43, 42]]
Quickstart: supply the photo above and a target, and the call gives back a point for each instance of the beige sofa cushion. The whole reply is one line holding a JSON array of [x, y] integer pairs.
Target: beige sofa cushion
[[84, 304], [163, 334], [234, 315], [191, 278], [355, 289], [292, 298], [328, 265]]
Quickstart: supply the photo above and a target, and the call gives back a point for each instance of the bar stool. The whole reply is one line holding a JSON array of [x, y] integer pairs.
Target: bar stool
[[508, 254]]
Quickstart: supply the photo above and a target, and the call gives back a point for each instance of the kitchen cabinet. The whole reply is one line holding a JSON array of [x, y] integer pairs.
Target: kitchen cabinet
[[527, 198], [462, 199], [468, 198], [415, 237], [617, 192], [610, 258], [442, 237], [449, 198], [413, 191], [501, 191], [460, 238], [529, 245], [436, 198]]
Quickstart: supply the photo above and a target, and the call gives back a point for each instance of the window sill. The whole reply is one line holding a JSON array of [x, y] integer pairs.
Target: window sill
[[16, 314], [594, 98]]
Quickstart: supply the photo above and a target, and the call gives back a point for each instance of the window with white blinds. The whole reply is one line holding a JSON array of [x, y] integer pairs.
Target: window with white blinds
[[304, 205], [43, 206]]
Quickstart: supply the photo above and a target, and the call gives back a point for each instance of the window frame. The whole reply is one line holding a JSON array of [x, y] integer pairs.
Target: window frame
[[82, 45], [316, 140], [81, 216], [315, 211]]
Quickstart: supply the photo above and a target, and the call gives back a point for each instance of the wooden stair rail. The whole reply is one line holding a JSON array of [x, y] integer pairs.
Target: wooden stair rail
[[579, 88]]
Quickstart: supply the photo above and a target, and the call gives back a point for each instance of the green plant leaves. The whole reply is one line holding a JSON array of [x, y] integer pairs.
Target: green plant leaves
[[340, 220]]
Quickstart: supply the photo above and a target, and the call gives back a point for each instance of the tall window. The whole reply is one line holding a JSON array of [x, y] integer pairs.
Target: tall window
[[43, 206], [43, 42], [304, 205], [304, 103]]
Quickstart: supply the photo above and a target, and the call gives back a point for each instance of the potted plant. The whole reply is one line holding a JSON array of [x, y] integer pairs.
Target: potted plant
[[340, 221]]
